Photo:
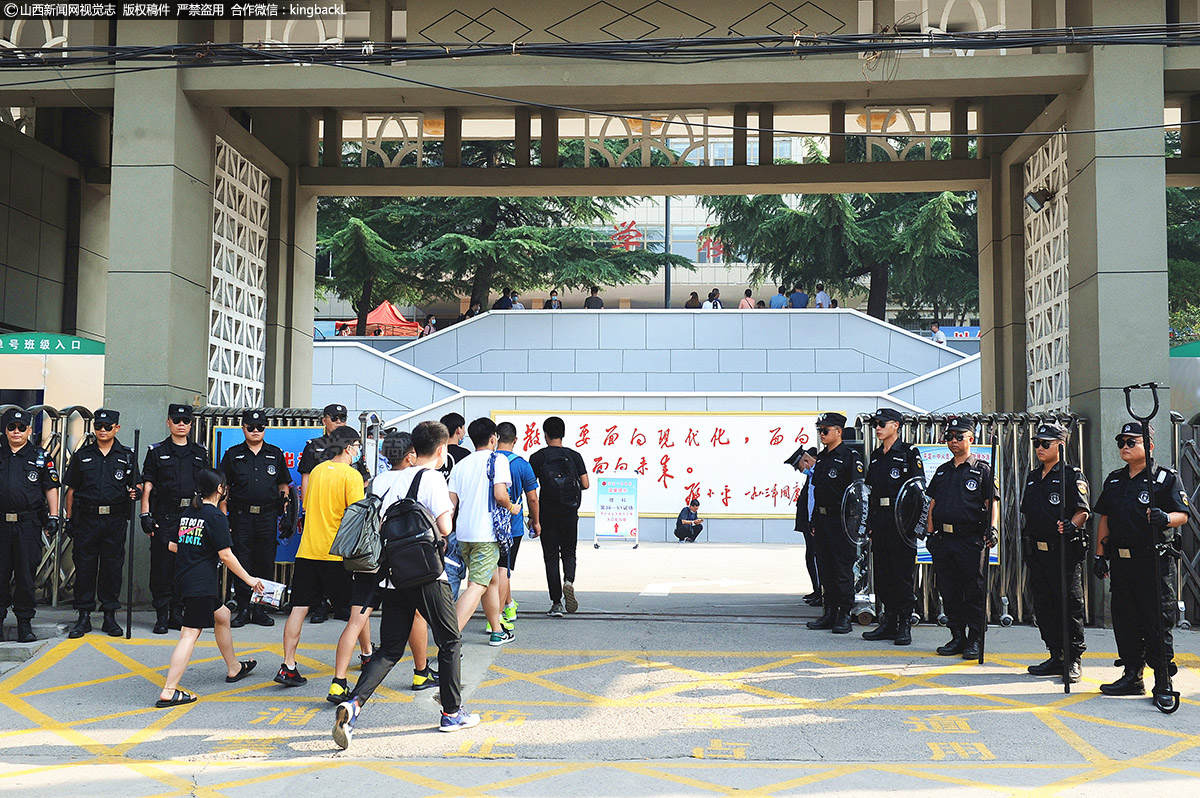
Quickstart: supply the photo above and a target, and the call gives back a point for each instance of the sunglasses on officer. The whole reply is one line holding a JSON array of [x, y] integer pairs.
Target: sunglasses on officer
[[253, 427], [339, 417], [181, 420], [956, 436], [17, 426], [1130, 442], [104, 427], [1042, 443]]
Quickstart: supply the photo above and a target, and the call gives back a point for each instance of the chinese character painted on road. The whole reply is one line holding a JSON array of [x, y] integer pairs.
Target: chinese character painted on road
[[718, 749], [959, 751], [298, 716]]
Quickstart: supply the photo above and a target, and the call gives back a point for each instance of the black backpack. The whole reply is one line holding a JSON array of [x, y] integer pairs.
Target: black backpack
[[412, 547], [559, 482]]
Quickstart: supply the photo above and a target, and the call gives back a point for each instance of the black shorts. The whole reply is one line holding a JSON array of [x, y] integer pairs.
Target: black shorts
[[365, 590], [512, 554], [314, 580], [198, 611]]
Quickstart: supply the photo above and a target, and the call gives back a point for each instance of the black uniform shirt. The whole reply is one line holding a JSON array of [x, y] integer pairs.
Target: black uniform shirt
[[172, 470], [888, 471], [203, 534], [961, 493], [25, 476], [1125, 501], [833, 473], [313, 454], [99, 478], [1042, 503], [254, 478]]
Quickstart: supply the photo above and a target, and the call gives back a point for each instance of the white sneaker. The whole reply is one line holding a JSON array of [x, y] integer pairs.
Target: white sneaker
[[569, 596]]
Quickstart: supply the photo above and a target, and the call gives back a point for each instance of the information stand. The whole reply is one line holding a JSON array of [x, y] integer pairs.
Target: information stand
[[616, 510]]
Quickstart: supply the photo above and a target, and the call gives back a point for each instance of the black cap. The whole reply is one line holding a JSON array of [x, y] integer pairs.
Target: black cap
[[959, 424], [179, 411], [1051, 432], [253, 417], [17, 415], [1130, 428], [694, 503], [333, 411], [831, 420], [889, 414], [106, 416]]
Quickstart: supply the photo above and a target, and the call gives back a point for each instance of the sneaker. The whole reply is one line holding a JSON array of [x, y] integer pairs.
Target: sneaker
[[339, 691], [500, 638], [504, 624], [452, 723], [510, 611], [556, 610], [569, 596], [289, 677], [423, 680], [343, 726], [363, 659]]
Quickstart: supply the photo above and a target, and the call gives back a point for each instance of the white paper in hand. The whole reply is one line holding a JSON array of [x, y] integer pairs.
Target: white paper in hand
[[272, 595]]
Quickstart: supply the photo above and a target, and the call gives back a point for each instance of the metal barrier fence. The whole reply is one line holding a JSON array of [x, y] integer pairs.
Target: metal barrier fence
[[1012, 434], [1185, 451]]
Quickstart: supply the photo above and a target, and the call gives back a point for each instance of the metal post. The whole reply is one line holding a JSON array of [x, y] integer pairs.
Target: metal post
[[133, 515], [667, 251]]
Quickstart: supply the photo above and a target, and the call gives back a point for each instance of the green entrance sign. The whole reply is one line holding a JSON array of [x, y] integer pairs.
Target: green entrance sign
[[35, 343]]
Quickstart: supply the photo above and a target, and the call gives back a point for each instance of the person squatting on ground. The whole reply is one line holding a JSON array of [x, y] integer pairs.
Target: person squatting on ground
[[102, 484], [431, 600], [959, 527], [169, 483], [1131, 529], [470, 488], [563, 477], [333, 486], [1049, 490], [203, 541], [836, 467], [893, 462], [523, 492], [689, 524], [365, 598], [258, 488], [28, 488], [803, 460]]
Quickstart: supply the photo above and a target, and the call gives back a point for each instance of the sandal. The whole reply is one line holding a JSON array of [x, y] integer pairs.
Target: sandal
[[180, 698], [247, 666]]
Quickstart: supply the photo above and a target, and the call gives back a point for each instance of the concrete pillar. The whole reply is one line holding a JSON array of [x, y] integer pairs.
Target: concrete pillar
[[766, 134], [331, 146], [741, 116], [1118, 252], [523, 117], [1189, 135], [1002, 290], [452, 137], [959, 148], [837, 132], [550, 139]]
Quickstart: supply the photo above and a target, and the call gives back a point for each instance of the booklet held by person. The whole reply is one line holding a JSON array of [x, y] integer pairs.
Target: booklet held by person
[[272, 594]]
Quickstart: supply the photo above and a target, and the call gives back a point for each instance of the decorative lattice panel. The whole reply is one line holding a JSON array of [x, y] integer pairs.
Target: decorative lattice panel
[[1047, 357], [237, 338], [672, 137]]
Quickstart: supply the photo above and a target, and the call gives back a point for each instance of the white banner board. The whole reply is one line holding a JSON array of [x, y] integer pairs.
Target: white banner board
[[732, 462], [616, 510]]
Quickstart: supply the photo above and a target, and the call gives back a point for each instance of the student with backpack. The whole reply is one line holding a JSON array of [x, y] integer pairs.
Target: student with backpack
[[562, 475], [412, 580], [523, 492]]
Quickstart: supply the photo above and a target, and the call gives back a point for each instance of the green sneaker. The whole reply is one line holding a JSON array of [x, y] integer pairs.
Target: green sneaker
[[510, 612], [505, 624]]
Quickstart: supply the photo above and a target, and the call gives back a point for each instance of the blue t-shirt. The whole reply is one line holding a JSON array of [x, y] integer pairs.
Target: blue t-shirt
[[798, 299], [779, 301], [523, 481]]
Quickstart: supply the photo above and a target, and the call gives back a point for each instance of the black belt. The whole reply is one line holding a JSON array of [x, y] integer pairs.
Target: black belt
[[172, 506], [18, 517], [1130, 552], [256, 509], [958, 529], [1045, 545], [119, 508], [882, 501]]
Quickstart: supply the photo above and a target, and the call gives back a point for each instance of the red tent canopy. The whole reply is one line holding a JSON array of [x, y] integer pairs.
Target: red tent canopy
[[383, 320]]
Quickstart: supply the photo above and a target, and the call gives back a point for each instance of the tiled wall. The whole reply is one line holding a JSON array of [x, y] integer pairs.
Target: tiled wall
[[33, 243]]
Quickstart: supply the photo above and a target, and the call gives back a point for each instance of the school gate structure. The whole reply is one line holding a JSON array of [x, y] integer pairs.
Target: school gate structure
[[163, 199]]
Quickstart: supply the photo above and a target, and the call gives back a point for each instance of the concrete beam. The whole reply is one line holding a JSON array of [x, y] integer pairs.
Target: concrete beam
[[1183, 172], [833, 178]]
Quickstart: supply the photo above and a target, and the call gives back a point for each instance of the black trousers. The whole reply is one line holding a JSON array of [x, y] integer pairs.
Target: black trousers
[[959, 578], [162, 561], [689, 532], [835, 559], [1045, 583], [20, 552], [436, 606], [98, 550], [560, 537], [1134, 604], [810, 559], [894, 562], [254, 546]]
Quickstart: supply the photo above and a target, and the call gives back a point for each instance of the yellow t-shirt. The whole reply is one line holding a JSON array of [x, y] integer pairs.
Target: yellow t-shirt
[[332, 487]]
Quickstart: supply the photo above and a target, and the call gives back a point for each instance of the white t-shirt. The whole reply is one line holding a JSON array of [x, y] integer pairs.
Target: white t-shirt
[[469, 482], [393, 486], [707, 305], [939, 337]]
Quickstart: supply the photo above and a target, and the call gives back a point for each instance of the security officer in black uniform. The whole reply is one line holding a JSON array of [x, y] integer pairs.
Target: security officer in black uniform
[[258, 480], [169, 474], [959, 528], [332, 417], [1130, 530], [28, 489], [893, 462], [837, 466], [1048, 490], [102, 483]]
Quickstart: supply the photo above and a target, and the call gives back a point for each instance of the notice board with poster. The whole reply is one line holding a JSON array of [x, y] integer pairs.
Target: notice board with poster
[[732, 462], [616, 510], [292, 441], [932, 456]]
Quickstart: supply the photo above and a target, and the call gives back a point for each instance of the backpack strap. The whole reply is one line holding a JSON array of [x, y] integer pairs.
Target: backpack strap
[[416, 483]]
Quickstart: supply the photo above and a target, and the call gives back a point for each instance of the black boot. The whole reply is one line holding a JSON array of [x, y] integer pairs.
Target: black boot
[[176, 619], [903, 631], [841, 622], [160, 622], [957, 644], [973, 647], [241, 617], [824, 622], [25, 631], [1163, 700], [82, 625], [110, 626], [258, 615], [1130, 683], [886, 630], [1051, 667]]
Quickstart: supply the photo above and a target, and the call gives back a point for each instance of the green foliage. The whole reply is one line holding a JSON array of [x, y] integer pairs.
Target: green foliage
[[1185, 324], [1183, 248]]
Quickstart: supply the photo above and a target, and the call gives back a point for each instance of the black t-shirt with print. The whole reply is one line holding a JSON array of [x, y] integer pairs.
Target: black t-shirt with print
[[202, 534]]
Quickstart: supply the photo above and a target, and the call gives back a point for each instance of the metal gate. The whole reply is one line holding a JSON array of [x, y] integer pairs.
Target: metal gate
[[1185, 451]]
